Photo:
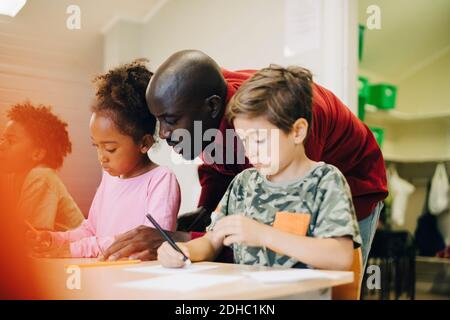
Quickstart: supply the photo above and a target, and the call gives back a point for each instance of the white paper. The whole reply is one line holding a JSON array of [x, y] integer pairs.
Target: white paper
[[159, 269], [302, 26], [181, 283], [289, 275]]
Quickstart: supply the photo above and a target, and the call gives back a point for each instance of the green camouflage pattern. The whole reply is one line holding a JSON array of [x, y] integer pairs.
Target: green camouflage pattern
[[323, 192]]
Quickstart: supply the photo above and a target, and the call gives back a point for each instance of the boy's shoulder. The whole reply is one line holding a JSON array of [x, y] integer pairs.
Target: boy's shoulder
[[326, 170], [42, 174], [247, 175], [328, 173], [42, 177], [322, 171]]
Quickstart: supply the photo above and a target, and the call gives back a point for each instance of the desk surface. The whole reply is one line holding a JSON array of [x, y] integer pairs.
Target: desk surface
[[101, 283]]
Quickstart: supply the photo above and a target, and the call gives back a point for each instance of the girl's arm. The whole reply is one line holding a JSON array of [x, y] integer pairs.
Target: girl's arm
[[90, 247], [88, 227]]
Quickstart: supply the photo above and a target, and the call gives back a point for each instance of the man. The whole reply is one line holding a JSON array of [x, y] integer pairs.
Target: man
[[189, 88]]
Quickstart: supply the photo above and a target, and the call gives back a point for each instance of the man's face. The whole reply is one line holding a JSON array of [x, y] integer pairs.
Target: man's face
[[182, 116], [16, 148]]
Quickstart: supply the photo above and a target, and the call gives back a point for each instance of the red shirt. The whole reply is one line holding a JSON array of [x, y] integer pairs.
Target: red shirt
[[337, 137]]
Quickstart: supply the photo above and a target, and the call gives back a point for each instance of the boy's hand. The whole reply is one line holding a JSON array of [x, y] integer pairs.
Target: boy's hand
[[39, 241], [170, 258], [240, 229]]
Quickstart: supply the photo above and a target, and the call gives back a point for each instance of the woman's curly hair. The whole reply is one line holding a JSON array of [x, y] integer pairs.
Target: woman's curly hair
[[121, 96], [45, 129]]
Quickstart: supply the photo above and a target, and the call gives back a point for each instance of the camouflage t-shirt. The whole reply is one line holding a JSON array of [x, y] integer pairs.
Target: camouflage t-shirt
[[323, 193]]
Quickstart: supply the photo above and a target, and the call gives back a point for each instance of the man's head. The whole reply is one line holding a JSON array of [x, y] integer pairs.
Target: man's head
[[187, 87]]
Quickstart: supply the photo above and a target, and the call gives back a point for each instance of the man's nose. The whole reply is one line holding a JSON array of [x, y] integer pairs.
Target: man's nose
[[164, 132]]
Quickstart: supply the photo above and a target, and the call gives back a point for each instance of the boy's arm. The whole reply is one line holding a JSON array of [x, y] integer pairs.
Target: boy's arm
[[205, 248], [320, 253], [333, 252]]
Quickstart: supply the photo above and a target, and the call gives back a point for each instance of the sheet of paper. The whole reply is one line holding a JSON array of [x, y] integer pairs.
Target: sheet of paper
[[289, 275], [302, 26], [181, 283], [161, 270]]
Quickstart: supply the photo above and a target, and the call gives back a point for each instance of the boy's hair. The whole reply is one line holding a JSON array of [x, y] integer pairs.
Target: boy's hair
[[45, 129], [121, 95], [283, 95]]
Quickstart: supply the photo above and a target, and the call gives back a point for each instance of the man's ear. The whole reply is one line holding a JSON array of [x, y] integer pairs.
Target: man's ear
[[215, 105], [300, 130], [38, 154], [147, 143]]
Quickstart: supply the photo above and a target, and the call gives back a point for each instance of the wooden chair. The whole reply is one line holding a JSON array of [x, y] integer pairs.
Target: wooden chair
[[351, 291]]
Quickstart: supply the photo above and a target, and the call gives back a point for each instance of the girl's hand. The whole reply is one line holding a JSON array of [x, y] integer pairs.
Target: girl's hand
[[240, 229], [170, 258], [40, 241]]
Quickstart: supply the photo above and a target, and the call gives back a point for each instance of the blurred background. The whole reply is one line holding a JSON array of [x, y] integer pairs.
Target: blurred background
[[389, 61]]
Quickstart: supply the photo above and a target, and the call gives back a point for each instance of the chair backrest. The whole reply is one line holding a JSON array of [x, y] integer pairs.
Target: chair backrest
[[351, 291]]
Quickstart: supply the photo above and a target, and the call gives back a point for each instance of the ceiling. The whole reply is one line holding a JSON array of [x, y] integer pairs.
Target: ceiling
[[413, 34]]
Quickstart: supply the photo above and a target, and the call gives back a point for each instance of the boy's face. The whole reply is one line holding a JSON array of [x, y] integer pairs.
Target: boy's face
[[117, 153], [16, 149], [267, 147]]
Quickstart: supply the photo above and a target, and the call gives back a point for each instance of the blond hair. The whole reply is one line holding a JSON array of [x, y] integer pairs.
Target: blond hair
[[283, 95]]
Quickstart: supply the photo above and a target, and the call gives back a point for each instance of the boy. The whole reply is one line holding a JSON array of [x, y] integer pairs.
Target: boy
[[288, 210], [32, 147]]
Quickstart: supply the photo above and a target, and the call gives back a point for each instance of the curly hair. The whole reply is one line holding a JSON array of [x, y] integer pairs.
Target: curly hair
[[283, 95], [45, 129], [121, 96]]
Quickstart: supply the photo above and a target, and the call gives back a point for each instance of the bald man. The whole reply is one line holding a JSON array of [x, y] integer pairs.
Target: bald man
[[189, 88]]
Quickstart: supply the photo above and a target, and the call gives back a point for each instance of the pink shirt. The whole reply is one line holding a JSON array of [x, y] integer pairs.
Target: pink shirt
[[120, 205]]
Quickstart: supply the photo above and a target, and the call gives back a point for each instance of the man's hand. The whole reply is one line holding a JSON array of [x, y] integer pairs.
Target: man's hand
[[240, 229], [140, 243]]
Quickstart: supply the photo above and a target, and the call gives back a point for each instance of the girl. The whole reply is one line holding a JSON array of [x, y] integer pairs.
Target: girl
[[122, 130], [288, 210]]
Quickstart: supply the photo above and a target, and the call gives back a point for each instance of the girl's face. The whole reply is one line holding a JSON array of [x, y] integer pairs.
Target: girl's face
[[268, 148], [118, 154], [17, 150]]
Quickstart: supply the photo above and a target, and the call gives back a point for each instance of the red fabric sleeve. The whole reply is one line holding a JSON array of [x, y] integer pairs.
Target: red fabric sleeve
[[213, 184], [195, 235]]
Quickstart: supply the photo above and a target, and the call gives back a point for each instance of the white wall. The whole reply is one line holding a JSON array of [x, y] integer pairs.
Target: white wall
[[244, 34], [48, 78]]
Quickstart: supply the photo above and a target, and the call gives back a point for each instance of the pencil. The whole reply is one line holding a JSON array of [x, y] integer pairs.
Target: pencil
[[31, 227], [168, 238]]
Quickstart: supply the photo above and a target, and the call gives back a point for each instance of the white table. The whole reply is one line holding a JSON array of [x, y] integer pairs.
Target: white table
[[102, 283]]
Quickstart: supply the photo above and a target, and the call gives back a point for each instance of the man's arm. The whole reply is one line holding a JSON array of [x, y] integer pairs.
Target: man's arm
[[140, 243], [214, 185]]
